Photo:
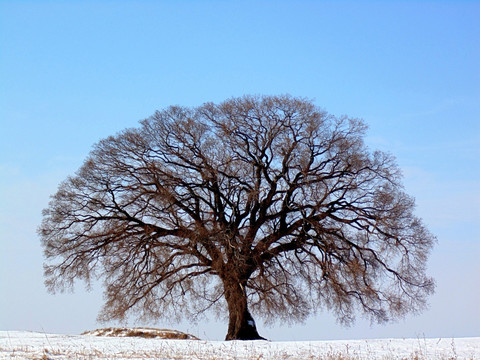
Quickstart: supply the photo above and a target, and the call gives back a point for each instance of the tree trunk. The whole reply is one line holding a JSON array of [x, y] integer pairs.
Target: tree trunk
[[241, 325]]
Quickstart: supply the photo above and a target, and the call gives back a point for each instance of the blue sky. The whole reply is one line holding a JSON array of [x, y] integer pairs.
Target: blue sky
[[74, 72]]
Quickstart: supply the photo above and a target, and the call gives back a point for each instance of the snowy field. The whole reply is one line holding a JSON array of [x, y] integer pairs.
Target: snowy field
[[31, 345]]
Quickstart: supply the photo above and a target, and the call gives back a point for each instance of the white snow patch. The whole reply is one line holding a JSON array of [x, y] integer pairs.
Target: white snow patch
[[32, 345]]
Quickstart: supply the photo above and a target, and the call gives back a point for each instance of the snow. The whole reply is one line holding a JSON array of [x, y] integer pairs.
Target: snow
[[32, 345]]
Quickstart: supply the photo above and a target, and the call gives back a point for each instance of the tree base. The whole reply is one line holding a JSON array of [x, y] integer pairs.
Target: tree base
[[246, 331], [245, 337]]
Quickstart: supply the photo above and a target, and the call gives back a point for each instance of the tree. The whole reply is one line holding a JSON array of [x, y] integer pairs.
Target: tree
[[258, 203]]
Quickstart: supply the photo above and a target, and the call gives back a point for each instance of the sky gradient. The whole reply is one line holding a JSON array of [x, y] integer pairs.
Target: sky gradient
[[72, 73]]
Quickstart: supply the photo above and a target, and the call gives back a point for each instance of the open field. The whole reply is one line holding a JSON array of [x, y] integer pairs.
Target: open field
[[32, 345]]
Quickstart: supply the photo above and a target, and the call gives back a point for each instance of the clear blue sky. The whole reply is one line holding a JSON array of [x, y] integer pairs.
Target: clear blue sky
[[73, 72]]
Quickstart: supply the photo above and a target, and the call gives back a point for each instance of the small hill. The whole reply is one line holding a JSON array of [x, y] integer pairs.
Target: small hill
[[144, 332]]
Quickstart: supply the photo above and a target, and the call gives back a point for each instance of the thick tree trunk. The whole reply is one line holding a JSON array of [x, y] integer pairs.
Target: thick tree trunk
[[241, 325]]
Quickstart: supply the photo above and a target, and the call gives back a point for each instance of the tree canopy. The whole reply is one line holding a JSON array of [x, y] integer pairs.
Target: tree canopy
[[261, 203]]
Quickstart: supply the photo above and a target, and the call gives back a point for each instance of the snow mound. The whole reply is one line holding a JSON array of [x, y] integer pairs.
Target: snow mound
[[143, 332]]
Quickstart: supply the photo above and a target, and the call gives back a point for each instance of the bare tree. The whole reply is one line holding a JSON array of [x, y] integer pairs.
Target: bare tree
[[259, 203]]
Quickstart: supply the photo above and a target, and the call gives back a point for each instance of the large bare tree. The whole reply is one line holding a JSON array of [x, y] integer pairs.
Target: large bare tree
[[265, 204]]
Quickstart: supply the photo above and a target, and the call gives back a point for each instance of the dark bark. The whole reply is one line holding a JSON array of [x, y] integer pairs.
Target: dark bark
[[241, 325]]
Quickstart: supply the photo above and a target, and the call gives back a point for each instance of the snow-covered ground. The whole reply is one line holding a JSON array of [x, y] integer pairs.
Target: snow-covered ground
[[32, 345]]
